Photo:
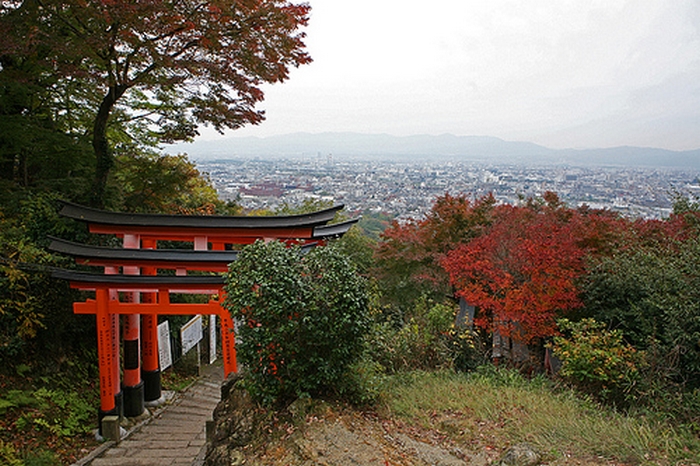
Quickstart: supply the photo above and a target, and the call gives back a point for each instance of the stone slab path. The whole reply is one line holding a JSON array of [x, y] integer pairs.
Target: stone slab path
[[176, 435]]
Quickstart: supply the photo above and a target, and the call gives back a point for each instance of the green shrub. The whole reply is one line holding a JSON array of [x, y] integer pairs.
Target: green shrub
[[303, 319], [8, 455], [657, 394], [596, 360], [653, 296], [427, 339], [365, 382], [419, 342], [59, 412]]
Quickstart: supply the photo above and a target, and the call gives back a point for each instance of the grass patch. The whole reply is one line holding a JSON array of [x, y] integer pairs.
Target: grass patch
[[502, 408]]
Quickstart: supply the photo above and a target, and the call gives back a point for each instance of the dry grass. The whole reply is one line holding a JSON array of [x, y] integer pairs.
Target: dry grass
[[555, 421]]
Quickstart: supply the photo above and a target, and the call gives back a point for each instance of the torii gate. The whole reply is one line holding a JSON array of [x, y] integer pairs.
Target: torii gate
[[148, 294]]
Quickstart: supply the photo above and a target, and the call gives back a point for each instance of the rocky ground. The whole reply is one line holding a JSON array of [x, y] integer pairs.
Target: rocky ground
[[314, 433]]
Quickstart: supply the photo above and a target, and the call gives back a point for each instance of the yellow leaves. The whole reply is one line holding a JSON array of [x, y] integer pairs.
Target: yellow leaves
[[16, 299], [14, 276], [24, 308], [28, 319], [596, 359]]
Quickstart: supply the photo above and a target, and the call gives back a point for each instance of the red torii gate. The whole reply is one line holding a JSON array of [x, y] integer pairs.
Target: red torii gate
[[148, 294]]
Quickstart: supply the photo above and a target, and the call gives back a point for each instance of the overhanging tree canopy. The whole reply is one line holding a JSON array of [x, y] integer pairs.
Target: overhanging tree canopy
[[161, 66]]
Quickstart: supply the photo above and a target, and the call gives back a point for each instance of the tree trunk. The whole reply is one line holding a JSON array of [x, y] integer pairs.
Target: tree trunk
[[23, 171], [100, 145], [7, 167]]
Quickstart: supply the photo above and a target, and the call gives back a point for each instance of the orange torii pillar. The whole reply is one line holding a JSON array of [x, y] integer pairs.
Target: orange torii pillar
[[116, 369], [150, 360], [105, 308], [228, 338], [105, 354], [131, 335]]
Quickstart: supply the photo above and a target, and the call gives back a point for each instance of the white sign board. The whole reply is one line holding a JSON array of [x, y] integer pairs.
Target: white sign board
[[164, 353], [212, 338], [191, 334]]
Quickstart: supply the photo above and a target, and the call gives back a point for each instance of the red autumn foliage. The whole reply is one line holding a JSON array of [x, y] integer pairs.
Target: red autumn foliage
[[522, 272], [411, 251], [519, 265], [174, 64]]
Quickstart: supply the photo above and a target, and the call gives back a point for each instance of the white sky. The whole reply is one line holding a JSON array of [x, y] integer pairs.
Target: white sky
[[561, 73]]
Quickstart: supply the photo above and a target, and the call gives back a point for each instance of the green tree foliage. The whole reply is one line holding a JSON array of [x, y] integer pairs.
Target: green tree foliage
[[373, 224], [355, 244], [653, 296], [359, 248], [39, 148], [303, 319], [597, 360], [156, 183], [156, 69], [35, 310], [308, 206]]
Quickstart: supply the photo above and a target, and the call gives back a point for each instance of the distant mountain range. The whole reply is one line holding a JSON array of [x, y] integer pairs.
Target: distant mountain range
[[445, 147]]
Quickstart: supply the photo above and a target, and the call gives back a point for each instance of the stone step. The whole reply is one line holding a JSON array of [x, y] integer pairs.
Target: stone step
[[176, 435]]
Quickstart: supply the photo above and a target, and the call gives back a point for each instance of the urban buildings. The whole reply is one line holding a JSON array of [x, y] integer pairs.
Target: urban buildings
[[408, 189]]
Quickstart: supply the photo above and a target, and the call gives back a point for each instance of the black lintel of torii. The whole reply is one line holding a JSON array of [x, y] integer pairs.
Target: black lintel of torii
[[142, 256], [334, 230], [189, 259], [124, 219]]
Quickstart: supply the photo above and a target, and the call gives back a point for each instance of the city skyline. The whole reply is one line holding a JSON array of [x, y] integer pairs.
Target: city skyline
[[408, 189]]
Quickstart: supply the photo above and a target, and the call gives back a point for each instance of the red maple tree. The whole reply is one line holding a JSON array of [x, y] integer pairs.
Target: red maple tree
[[166, 66], [520, 265], [522, 272], [410, 252]]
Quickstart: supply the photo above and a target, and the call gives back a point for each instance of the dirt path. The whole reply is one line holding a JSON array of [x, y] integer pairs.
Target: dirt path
[[317, 433]]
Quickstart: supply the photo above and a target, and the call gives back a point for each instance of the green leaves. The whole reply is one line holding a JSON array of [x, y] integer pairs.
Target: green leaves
[[303, 319], [652, 295], [59, 412], [597, 360], [153, 182], [149, 71]]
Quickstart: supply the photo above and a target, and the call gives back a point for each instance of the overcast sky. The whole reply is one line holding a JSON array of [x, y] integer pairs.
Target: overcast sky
[[564, 73]]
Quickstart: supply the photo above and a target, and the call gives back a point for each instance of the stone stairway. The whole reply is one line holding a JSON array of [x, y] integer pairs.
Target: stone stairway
[[176, 435]]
